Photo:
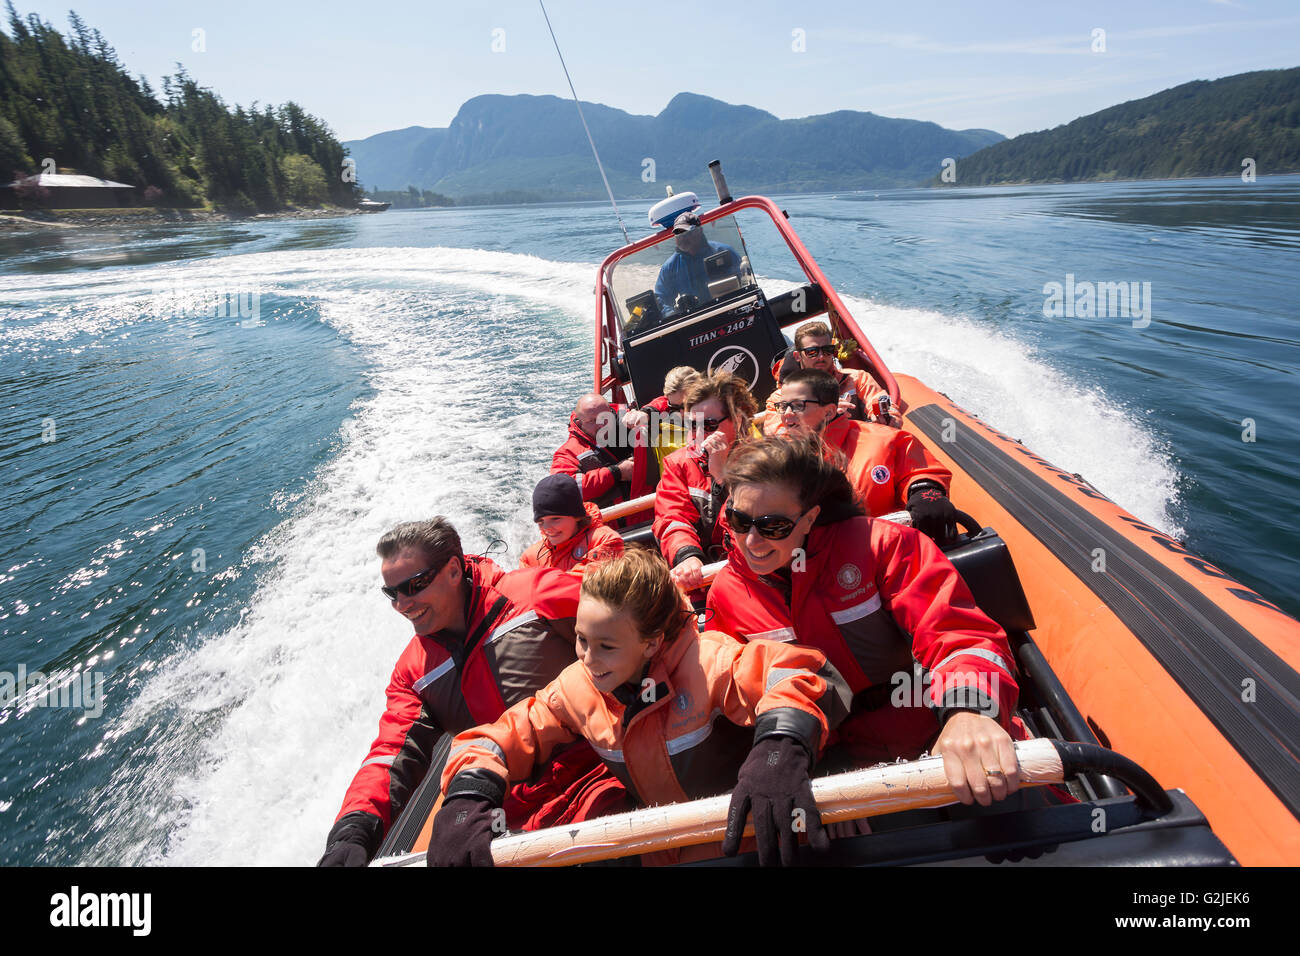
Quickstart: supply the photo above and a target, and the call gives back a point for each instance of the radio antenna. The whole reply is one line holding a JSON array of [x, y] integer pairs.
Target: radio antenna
[[599, 164]]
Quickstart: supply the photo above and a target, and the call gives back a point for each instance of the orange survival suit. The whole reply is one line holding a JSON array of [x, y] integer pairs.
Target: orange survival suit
[[520, 635]]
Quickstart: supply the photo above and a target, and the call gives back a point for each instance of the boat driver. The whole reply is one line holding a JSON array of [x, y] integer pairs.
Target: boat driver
[[683, 282]]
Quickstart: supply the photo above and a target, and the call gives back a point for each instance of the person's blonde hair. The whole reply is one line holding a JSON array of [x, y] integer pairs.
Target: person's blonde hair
[[639, 583], [727, 389], [678, 378]]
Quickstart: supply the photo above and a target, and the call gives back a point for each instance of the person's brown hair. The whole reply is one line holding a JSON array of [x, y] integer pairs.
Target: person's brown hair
[[639, 583], [727, 389], [799, 465], [811, 328], [435, 538]]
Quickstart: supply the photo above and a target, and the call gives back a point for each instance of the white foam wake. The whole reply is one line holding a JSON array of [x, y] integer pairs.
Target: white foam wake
[[299, 683], [1000, 379]]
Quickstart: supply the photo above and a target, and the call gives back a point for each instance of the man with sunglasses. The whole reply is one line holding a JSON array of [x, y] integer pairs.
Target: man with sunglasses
[[683, 281], [484, 639], [815, 348], [889, 469], [607, 469]]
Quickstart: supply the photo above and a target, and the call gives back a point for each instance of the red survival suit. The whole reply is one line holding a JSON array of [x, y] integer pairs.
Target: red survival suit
[[520, 636], [688, 510], [583, 458], [864, 588], [596, 542]]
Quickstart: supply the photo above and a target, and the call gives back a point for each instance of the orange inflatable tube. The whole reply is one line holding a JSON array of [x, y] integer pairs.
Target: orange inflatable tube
[[1173, 662]]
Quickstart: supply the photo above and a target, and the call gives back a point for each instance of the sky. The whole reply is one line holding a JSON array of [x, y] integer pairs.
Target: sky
[[1012, 67]]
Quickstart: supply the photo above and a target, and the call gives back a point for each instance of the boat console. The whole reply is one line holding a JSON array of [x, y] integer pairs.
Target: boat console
[[699, 305]]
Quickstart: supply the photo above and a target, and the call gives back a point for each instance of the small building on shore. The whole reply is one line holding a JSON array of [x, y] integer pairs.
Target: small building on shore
[[66, 191]]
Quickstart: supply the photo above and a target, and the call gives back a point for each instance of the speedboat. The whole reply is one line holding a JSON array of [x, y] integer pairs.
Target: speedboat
[[1147, 665]]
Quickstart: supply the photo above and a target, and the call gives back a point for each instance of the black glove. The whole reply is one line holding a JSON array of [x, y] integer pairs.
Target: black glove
[[932, 513], [353, 840], [462, 832], [774, 782]]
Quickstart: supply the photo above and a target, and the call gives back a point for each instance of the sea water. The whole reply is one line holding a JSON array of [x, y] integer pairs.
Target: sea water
[[205, 429]]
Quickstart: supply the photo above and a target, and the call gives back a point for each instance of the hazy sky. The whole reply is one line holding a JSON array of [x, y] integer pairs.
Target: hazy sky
[[1007, 66]]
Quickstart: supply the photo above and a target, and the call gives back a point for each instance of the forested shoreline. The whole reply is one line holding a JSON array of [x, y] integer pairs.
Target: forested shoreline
[[67, 103], [1203, 128]]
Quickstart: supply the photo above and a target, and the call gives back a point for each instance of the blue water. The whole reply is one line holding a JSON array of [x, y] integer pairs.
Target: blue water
[[205, 429]]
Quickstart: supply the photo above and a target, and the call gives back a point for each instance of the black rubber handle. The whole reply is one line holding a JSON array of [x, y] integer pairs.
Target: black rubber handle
[[968, 524], [1089, 758]]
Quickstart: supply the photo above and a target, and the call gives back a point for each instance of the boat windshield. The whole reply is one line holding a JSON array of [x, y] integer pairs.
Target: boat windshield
[[680, 275]]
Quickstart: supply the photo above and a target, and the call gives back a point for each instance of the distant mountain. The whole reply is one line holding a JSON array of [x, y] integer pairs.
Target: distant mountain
[[536, 144], [386, 158], [1202, 128]]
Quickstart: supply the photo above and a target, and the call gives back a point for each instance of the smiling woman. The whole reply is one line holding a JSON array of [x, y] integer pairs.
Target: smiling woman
[[875, 597], [668, 710]]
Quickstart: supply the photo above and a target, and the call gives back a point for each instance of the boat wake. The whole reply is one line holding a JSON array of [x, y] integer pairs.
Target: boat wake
[[239, 748]]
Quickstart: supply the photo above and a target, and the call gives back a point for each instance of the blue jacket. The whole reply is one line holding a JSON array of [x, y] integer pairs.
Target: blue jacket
[[683, 273]]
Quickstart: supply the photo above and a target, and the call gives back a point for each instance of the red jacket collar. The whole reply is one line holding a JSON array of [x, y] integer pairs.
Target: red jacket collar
[[565, 547], [576, 432]]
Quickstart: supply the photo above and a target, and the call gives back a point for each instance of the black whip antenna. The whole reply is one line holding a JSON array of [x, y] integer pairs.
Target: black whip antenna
[[599, 164]]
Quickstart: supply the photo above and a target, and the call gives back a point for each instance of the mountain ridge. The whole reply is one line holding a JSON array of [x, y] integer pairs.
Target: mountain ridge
[[500, 142], [1199, 128]]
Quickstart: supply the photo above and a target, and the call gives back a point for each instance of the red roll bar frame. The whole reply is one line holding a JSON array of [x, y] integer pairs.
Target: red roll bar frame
[[607, 315]]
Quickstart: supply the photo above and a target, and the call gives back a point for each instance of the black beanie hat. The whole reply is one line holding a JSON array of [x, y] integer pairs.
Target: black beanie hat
[[557, 495]]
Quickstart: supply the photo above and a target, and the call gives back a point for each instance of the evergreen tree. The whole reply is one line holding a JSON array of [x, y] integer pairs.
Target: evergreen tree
[[68, 98], [1202, 128]]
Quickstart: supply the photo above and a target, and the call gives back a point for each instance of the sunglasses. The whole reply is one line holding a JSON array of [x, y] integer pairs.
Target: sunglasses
[[706, 427], [674, 409], [772, 527], [797, 405], [828, 350], [412, 585]]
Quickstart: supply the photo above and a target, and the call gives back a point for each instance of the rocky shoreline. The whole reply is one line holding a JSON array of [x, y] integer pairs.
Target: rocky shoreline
[[89, 218]]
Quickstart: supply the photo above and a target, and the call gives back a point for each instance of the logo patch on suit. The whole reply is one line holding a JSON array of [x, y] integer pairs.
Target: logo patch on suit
[[880, 474], [579, 551], [848, 577], [682, 701]]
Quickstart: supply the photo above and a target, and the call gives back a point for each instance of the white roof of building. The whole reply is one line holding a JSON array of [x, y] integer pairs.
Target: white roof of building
[[65, 180]]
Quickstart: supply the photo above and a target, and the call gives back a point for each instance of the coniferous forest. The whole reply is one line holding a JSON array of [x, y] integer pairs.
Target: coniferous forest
[[69, 99], [1202, 128]]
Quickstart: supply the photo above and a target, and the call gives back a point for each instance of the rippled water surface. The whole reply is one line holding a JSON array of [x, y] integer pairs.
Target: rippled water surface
[[205, 429]]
